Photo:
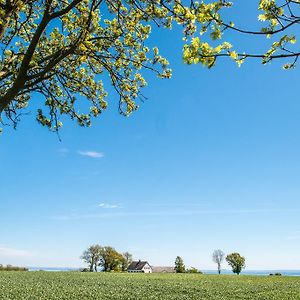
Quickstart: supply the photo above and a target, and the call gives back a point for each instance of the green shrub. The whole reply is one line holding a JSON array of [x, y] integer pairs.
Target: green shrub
[[193, 271]]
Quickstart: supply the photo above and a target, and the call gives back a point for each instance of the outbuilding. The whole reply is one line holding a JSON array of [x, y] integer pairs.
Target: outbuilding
[[163, 270]]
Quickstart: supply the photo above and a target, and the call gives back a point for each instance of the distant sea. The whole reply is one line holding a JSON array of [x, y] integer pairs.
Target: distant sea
[[52, 269], [244, 272], [258, 272]]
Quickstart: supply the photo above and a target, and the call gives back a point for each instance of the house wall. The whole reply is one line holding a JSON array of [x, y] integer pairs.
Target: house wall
[[147, 269]]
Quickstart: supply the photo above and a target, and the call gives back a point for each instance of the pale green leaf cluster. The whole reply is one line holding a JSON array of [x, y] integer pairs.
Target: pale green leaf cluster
[[207, 20], [75, 52]]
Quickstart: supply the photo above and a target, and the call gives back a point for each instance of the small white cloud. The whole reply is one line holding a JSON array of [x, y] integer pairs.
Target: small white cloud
[[107, 205], [92, 154]]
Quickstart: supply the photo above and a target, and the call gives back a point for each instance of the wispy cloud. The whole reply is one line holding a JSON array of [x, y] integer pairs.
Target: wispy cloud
[[108, 205], [7, 252], [164, 213], [92, 154], [76, 216]]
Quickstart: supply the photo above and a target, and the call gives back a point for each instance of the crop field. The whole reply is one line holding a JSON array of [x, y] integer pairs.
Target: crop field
[[92, 286]]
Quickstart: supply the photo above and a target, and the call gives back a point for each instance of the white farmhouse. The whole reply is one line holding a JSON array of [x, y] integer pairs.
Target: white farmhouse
[[139, 267]]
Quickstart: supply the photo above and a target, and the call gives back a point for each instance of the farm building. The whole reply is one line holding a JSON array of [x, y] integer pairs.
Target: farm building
[[163, 270], [139, 267]]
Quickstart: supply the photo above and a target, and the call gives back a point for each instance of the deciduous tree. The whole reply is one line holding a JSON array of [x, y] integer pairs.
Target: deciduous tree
[[179, 265], [63, 51], [110, 260], [218, 258], [127, 259], [236, 261], [92, 256]]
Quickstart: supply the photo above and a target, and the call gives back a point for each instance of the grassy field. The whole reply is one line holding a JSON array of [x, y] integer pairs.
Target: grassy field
[[92, 286]]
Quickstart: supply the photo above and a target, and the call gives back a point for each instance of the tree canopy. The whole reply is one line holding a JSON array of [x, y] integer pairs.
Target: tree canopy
[[236, 261], [63, 51], [107, 258], [92, 257], [218, 257], [179, 265]]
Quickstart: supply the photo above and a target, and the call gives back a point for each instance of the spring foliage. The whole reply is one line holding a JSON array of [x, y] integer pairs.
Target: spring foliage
[[107, 258], [179, 265], [62, 50], [236, 261]]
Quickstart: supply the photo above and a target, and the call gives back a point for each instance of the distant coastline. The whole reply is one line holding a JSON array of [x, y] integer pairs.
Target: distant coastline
[[258, 272], [53, 269], [208, 272]]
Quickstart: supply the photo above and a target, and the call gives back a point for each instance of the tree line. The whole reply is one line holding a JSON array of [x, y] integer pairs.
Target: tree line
[[105, 257], [109, 259], [234, 260], [12, 268]]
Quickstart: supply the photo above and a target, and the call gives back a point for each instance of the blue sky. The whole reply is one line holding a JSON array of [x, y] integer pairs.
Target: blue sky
[[210, 160]]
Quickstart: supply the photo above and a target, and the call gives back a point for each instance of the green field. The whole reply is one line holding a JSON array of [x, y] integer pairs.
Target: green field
[[63, 285]]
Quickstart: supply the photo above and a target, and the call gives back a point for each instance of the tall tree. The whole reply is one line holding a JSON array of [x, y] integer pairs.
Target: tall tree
[[63, 51], [179, 265], [218, 258], [110, 260], [92, 256], [236, 261], [127, 260]]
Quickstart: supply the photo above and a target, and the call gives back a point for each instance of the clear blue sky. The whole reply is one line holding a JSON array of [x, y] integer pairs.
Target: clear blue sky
[[211, 160]]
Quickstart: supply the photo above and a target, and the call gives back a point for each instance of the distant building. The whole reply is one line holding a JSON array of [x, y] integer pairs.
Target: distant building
[[139, 267], [163, 270]]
